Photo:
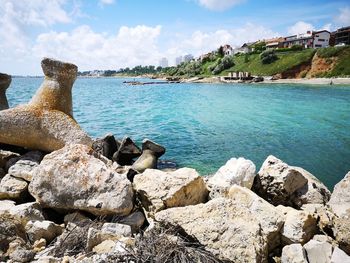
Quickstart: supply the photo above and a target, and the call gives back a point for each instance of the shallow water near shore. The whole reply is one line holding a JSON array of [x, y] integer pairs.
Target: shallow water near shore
[[204, 125]]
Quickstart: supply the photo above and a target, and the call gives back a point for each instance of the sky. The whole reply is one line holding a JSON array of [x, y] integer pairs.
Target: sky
[[113, 34]]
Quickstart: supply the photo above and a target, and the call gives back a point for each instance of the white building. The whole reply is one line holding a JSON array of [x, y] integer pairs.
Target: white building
[[228, 50], [188, 58], [178, 60], [164, 63], [321, 38]]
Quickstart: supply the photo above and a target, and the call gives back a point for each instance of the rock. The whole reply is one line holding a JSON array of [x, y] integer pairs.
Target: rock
[[323, 216], [340, 198], [46, 122], [5, 81], [314, 192], [104, 247], [43, 229], [341, 229], [6, 205], [318, 252], [339, 256], [299, 227], [2, 173], [39, 245], [19, 251], [281, 184], [293, 253], [75, 217], [149, 157], [134, 220], [23, 166], [5, 156], [236, 171], [73, 178], [127, 152], [27, 212], [159, 190], [13, 188], [241, 228], [109, 231], [106, 146], [10, 230]]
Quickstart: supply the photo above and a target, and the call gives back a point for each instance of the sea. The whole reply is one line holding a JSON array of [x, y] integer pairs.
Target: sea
[[204, 125]]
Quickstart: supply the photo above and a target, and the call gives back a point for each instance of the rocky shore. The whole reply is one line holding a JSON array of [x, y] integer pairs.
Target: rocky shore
[[65, 197]]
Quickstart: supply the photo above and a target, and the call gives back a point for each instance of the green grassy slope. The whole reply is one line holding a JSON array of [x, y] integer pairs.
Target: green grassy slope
[[286, 60]]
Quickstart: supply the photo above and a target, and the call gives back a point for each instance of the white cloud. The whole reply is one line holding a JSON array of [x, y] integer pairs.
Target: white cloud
[[344, 17], [219, 5], [200, 42], [106, 2], [300, 27], [131, 46]]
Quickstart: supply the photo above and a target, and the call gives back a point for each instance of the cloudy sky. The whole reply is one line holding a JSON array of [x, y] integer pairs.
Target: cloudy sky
[[110, 34]]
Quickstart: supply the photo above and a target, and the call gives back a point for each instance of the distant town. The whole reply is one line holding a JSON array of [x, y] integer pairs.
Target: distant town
[[307, 40]]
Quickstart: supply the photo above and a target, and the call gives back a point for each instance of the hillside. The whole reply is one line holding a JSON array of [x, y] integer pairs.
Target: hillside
[[309, 63]]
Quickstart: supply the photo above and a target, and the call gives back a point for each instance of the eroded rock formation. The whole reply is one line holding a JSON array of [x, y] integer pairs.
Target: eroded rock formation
[[46, 122], [5, 81]]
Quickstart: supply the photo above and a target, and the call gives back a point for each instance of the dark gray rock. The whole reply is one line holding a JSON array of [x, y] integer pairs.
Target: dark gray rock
[[127, 152], [106, 146], [5, 81]]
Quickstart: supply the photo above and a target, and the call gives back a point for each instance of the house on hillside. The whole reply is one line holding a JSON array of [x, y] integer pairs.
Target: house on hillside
[[228, 50], [315, 39], [245, 48], [342, 36], [274, 42], [321, 38]]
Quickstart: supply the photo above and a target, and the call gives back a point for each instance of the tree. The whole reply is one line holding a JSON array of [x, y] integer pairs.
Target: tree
[[268, 56]]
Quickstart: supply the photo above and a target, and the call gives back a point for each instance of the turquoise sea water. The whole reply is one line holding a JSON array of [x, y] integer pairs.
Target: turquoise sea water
[[204, 125]]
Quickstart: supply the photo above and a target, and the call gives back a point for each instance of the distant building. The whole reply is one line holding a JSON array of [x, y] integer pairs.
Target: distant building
[[315, 39], [321, 38], [228, 50], [342, 36], [245, 48], [178, 60], [188, 58], [274, 42], [164, 63]]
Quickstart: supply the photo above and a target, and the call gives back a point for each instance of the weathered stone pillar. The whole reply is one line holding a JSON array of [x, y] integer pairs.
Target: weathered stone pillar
[[46, 122], [55, 93], [5, 81]]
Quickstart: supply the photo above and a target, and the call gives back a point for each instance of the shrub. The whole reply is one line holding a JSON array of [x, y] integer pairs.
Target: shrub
[[225, 63], [268, 56], [296, 48]]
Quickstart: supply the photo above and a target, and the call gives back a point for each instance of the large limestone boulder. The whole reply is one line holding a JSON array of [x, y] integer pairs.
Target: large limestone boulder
[[339, 256], [293, 253], [46, 122], [240, 228], [281, 184], [340, 205], [340, 198], [318, 251], [73, 178], [159, 190], [5, 81], [299, 227], [236, 171]]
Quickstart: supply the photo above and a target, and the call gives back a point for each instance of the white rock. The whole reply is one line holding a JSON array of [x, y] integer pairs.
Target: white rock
[[241, 228], [340, 198], [27, 212], [23, 166], [12, 188], [73, 178], [43, 229], [318, 252], [106, 246], [299, 227], [293, 253], [159, 190], [236, 171], [339, 256]]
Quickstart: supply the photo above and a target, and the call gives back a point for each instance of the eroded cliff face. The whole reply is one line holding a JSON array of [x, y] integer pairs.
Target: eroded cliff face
[[316, 67]]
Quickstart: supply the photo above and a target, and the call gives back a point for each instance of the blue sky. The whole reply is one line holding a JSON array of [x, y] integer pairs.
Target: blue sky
[[109, 34]]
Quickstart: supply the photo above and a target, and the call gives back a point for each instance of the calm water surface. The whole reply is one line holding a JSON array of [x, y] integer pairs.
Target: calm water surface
[[204, 125]]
